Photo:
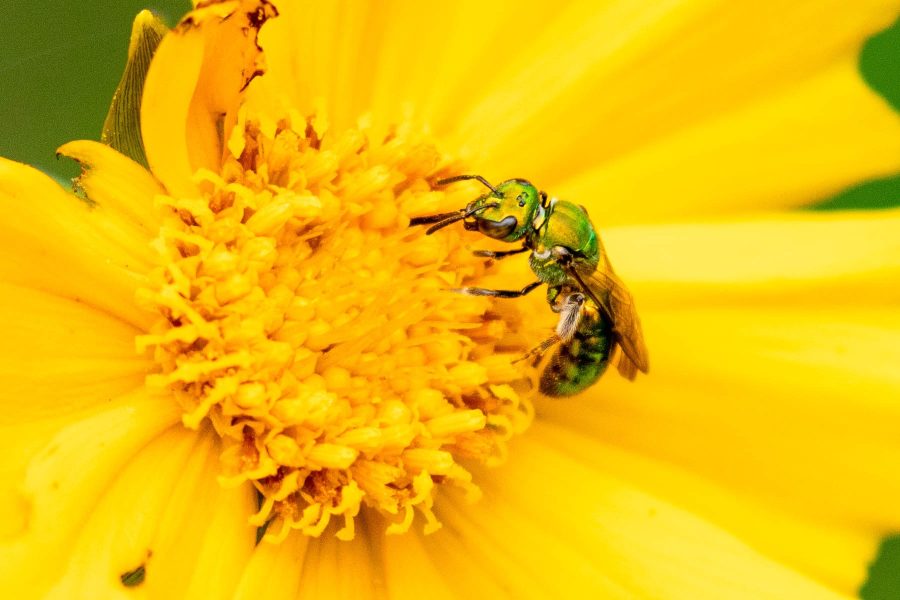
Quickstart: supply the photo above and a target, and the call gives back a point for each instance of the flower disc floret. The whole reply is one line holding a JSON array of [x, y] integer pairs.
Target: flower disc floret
[[318, 334]]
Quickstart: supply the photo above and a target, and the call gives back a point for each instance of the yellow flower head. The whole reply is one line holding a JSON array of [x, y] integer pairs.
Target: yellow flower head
[[317, 332], [307, 372]]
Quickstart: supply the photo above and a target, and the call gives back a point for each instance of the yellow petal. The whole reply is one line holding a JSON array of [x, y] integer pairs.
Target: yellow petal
[[327, 563], [767, 338], [802, 143], [116, 183], [411, 572], [193, 86], [63, 482], [834, 555], [315, 51], [321, 54], [202, 540], [273, 570], [165, 106], [189, 535], [643, 110], [55, 352], [806, 257], [57, 243], [514, 552], [794, 407], [119, 533], [594, 83], [549, 525], [60, 361], [464, 573]]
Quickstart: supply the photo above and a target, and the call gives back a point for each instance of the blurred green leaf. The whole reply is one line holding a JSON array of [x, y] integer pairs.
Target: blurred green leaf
[[879, 64], [878, 193], [884, 573], [60, 63]]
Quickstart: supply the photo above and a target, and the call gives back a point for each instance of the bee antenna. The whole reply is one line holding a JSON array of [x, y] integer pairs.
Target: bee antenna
[[434, 218], [478, 178], [459, 217]]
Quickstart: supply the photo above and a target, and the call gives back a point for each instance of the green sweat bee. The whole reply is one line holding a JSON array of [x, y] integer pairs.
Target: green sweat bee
[[597, 315]]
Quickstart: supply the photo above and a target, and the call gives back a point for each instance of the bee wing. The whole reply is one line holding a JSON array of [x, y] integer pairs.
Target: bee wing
[[614, 299]]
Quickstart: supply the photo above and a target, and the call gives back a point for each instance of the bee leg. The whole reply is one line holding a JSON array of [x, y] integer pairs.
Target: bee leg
[[570, 316], [474, 291], [498, 255], [538, 351]]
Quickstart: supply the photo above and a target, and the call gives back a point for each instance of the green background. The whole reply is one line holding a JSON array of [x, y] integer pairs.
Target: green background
[[60, 63], [60, 67]]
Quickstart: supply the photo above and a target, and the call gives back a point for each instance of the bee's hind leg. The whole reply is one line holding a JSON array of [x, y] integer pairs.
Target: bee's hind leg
[[570, 315], [538, 351], [569, 318]]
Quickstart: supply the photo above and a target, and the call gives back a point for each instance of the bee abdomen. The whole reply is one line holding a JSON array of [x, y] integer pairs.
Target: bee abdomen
[[576, 365]]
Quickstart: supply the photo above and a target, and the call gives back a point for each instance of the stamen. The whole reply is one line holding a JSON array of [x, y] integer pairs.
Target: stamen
[[314, 331]]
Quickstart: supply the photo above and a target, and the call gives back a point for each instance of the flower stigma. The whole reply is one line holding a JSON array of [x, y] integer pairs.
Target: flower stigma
[[319, 335]]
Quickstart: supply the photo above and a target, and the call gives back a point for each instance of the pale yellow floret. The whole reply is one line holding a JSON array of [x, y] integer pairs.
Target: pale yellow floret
[[319, 334]]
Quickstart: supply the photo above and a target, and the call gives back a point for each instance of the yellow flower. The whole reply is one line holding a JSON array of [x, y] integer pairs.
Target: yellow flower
[[302, 365]]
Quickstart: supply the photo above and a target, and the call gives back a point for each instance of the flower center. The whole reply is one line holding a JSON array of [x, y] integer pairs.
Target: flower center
[[318, 333]]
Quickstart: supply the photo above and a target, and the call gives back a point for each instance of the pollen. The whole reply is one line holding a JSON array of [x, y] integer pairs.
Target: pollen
[[319, 335]]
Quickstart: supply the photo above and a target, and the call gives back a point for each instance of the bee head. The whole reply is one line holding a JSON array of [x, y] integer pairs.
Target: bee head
[[505, 214]]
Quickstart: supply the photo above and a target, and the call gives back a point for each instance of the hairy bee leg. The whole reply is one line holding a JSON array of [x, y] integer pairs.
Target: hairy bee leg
[[570, 316], [498, 255], [538, 351], [473, 291]]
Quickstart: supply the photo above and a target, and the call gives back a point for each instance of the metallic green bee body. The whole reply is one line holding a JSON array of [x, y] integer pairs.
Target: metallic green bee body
[[597, 314], [586, 341], [564, 225]]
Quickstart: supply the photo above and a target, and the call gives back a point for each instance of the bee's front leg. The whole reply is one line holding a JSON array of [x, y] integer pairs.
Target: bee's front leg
[[474, 291], [498, 255]]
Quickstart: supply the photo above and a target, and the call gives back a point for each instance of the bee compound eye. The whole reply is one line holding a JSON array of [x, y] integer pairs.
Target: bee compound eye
[[497, 229]]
